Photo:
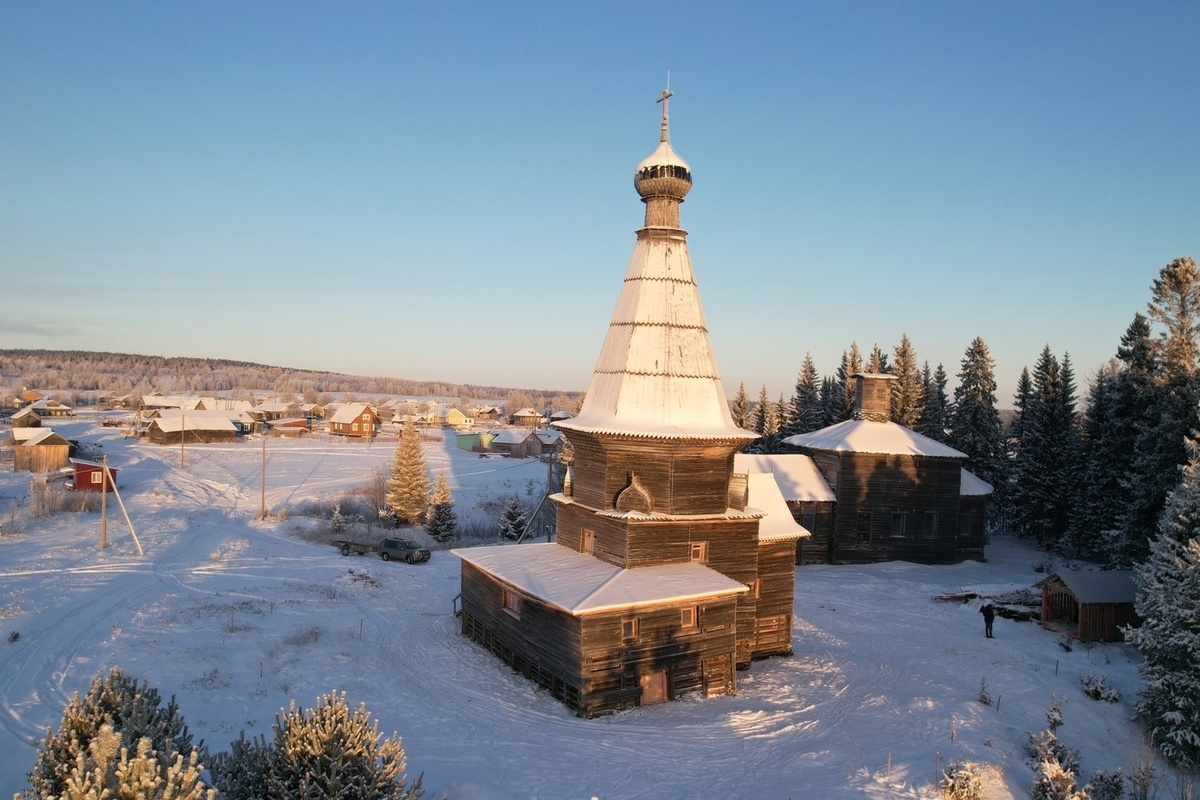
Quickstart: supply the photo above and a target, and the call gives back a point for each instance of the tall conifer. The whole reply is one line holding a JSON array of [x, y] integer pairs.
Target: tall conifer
[[408, 485], [908, 393], [976, 429]]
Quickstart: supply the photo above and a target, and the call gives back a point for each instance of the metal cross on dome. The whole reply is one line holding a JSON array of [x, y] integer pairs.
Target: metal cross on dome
[[663, 99]]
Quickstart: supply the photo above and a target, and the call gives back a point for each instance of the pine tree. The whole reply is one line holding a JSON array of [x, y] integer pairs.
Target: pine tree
[[908, 392], [1168, 601], [408, 486], [244, 771], [1168, 410], [133, 712], [806, 412], [764, 415], [1116, 407], [334, 753], [442, 522], [108, 771], [976, 428], [851, 365], [936, 410], [830, 400], [740, 408], [513, 519], [1048, 452]]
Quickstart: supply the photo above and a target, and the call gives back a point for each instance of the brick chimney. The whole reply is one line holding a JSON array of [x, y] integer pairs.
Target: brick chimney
[[873, 397]]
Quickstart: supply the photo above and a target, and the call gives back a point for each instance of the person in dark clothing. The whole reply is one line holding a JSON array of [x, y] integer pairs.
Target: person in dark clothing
[[989, 616]]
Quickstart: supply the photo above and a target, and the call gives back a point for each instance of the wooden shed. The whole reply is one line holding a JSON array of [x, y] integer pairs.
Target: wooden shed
[[26, 418], [45, 451], [88, 476], [193, 428], [1090, 606]]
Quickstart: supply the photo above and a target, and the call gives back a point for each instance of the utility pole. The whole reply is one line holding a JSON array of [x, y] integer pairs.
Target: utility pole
[[104, 503], [182, 432], [262, 513]]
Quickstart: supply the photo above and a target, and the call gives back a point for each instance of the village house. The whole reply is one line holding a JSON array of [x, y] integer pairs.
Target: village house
[[26, 418], [899, 495], [527, 418], [87, 476], [192, 427], [51, 409], [354, 420], [667, 571], [516, 442]]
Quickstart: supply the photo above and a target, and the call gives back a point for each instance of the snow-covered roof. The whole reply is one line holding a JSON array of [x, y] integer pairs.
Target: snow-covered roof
[[512, 436], [547, 436], [25, 434], [44, 436], [972, 485], [866, 436], [351, 412], [580, 584], [232, 415], [1111, 586], [194, 421], [27, 411], [778, 524], [656, 375], [796, 474]]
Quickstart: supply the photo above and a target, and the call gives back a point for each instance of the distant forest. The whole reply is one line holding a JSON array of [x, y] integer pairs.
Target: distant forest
[[78, 375]]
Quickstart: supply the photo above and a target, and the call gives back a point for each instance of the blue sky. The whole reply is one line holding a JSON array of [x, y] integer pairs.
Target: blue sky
[[444, 191]]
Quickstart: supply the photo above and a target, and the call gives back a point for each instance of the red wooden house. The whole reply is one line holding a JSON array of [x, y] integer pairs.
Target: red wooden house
[[88, 476]]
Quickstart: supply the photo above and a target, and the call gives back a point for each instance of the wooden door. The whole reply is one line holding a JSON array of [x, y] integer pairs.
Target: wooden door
[[654, 687]]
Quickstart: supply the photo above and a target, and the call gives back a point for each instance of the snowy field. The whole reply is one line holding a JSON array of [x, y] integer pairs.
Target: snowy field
[[237, 616]]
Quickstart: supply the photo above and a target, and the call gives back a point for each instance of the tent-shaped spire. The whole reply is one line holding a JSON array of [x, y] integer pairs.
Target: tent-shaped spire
[[656, 375]]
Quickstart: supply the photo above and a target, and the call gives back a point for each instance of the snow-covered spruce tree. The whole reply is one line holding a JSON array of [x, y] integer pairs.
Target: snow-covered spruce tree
[[335, 753], [1168, 601], [513, 518], [976, 429], [961, 782], [806, 413], [851, 365], [739, 409], [442, 522], [1055, 782], [108, 771], [878, 362], [1103, 520], [766, 417], [830, 398], [908, 392], [408, 485], [1169, 410], [242, 773], [1048, 456], [936, 410], [132, 711]]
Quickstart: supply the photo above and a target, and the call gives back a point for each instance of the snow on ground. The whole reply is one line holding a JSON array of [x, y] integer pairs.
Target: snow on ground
[[237, 617]]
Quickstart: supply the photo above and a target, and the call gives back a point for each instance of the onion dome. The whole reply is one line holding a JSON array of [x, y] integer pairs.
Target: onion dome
[[663, 173]]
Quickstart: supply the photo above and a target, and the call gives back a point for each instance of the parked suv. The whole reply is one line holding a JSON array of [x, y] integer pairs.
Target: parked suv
[[402, 549]]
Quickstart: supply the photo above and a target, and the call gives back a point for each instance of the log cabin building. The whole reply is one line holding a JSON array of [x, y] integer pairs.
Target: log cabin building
[[668, 571], [898, 495], [354, 419]]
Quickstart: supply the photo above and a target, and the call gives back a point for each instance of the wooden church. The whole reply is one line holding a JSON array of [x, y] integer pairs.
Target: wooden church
[[892, 494], [668, 571]]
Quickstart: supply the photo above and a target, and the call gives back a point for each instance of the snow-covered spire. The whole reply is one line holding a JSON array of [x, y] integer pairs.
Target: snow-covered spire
[[656, 375]]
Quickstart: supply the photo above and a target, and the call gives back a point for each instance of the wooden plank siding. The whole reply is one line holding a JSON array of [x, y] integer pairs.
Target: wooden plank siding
[[776, 597], [586, 661], [881, 486], [41, 457], [603, 465], [817, 518]]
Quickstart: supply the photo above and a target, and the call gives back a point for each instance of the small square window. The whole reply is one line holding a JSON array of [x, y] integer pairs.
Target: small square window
[[354, 427], [930, 530], [511, 601], [587, 542], [629, 629], [700, 552], [688, 617], [898, 525], [95, 476], [809, 522]]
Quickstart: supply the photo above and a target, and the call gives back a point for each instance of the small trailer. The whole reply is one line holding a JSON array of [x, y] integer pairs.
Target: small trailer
[[346, 546]]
